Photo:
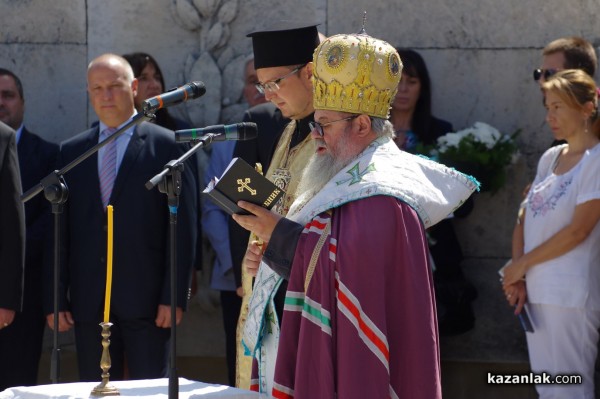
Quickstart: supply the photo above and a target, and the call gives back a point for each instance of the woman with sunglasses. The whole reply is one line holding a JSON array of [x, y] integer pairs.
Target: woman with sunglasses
[[560, 251], [414, 125]]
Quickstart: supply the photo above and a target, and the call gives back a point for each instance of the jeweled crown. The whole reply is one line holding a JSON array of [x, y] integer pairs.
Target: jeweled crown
[[356, 73]]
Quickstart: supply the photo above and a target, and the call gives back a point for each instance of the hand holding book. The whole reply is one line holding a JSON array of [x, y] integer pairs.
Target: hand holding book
[[516, 296], [240, 182], [260, 221]]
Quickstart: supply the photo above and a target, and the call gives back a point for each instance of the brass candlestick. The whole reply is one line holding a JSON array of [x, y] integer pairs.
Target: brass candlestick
[[105, 388]]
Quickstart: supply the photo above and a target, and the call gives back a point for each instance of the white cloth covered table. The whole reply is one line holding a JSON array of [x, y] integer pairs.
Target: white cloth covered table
[[155, 389]]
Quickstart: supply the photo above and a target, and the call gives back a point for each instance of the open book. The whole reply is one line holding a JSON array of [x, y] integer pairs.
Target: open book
[[241, 182]]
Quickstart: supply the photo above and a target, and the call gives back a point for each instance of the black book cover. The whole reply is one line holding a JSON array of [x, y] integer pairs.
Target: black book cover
[[240, 182]]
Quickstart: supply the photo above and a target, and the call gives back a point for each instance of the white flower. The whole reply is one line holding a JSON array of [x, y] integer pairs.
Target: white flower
[[448, 140], [486, 134], [480, 132], [466, 147]]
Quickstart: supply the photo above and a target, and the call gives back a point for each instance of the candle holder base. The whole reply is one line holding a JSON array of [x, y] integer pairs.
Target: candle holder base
[[105, 388]]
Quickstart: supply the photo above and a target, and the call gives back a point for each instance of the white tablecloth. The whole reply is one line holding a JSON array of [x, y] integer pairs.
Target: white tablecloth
[[155, 389]]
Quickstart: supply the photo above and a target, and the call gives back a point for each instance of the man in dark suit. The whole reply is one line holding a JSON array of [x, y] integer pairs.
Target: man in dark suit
[[140, 306], [12, 239], [37, 158]]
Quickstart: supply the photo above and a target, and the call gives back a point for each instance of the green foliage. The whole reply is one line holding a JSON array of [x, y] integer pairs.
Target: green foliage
[[480, 151]]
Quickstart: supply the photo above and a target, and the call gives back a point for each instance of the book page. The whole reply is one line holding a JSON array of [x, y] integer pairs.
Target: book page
[[228, 166], [211, 185]]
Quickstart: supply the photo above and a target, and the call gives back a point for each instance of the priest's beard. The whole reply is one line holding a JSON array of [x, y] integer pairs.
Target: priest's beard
[[321, 168]]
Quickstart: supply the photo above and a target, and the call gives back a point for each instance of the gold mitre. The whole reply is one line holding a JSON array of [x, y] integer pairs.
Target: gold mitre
[[356, 73]]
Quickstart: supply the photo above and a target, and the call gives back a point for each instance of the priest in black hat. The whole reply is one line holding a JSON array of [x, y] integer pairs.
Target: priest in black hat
[[283, 61]]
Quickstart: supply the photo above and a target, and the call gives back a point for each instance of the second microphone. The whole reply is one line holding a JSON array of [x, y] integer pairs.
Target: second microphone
[[237, 131]]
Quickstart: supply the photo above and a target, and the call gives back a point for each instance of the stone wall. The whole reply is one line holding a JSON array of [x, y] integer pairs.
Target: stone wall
[[480, 55]]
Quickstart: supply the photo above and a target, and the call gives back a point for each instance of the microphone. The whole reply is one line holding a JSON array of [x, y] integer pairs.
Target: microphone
[[174, 96], [237, 131]]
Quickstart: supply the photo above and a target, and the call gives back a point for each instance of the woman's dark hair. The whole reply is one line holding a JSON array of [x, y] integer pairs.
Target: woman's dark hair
[[414, 66], [138, 62]]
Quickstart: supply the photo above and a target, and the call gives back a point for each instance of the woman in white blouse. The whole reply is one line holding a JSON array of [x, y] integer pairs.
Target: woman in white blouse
[[556, 266]]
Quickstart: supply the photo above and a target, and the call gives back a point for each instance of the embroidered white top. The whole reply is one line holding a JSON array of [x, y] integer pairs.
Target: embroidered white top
[[572, 279]]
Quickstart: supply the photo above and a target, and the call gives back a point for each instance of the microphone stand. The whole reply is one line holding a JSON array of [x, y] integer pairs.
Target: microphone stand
[[169, 182], [56, 192]]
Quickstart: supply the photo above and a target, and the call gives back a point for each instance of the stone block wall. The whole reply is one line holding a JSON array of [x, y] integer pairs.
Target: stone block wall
[[480, 55]]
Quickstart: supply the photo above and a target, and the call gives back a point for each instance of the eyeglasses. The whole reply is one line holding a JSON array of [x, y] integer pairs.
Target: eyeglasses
[[546, 73], [273, 85], [318, 127]]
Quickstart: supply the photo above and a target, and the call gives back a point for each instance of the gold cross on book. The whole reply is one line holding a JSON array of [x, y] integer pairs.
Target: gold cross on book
[[243, 184]]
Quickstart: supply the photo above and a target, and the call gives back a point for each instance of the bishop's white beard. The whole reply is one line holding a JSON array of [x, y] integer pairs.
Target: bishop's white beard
[[322, 168]]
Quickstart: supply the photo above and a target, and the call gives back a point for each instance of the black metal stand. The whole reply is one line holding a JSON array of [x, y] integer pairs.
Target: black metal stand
[[56, 191], [169, 182]]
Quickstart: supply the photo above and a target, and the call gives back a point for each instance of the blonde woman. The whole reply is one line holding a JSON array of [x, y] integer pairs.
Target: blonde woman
[[556, 266]]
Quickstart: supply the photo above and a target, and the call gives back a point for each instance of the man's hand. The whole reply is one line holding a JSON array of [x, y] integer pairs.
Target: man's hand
[[6, 317], [252, 258], [65, 321], [261, 221], [163, 316]]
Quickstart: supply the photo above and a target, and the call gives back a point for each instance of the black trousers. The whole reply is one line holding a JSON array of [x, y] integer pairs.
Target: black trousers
[[231, 304], [21, 348], [139, 340]]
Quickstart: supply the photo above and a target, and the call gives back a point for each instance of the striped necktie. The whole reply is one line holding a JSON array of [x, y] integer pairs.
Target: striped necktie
[[108, 166]]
